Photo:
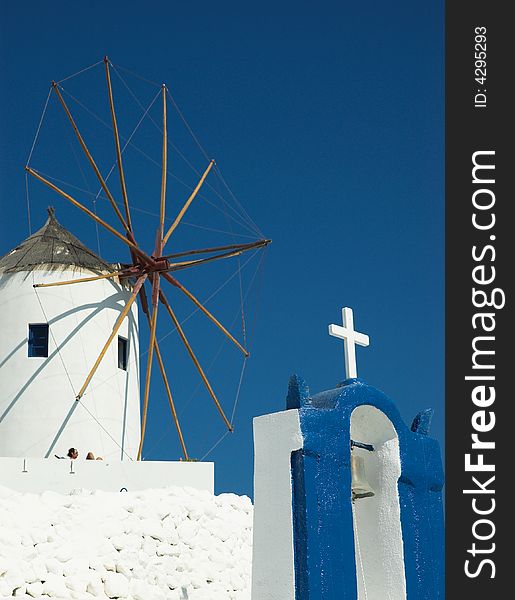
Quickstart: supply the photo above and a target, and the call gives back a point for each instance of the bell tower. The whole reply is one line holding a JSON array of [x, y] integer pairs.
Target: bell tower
[[348, 499]]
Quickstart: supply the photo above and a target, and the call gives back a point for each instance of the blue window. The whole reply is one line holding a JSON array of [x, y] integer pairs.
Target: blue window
[[38, 340], [123, 353]]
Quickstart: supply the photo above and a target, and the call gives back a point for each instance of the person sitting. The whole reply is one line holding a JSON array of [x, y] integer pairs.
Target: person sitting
[[73, 453], [90, 456]]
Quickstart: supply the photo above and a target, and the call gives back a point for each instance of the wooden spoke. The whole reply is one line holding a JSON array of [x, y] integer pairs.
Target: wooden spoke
[[163, 299], [153, 325], [117, 144], [116, 327], [132, 245], [144, 304], [197, 303], [258, 244], [192, 263], [163, 172], [90, 158], [81, 280], [188, 202]]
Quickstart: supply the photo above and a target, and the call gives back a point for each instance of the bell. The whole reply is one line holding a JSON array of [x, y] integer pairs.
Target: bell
[[360, 485]]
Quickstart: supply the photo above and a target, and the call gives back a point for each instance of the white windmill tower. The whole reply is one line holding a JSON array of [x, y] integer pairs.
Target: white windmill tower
[[50, 338], [52, 332]]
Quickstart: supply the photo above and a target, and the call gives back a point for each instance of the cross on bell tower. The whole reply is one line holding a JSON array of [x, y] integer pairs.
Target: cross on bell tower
[[350, 338]]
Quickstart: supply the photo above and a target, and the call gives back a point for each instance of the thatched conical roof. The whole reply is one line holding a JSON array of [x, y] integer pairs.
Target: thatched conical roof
[[52, 247]]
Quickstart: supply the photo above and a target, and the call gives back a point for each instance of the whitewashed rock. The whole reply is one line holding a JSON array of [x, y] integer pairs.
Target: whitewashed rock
[[35, 589], [139, 589], [55, 586], [116, 585], [95, 585]]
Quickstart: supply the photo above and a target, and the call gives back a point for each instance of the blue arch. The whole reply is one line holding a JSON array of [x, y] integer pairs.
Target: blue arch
[[322, 506]]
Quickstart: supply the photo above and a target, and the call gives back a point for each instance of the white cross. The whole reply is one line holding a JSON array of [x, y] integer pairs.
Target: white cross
[[350, 339]]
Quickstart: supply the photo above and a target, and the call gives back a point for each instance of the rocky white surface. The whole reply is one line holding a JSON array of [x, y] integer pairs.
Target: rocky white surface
[[171, 543]]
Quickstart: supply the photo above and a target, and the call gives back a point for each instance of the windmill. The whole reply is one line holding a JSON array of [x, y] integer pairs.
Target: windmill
[[156, 268]]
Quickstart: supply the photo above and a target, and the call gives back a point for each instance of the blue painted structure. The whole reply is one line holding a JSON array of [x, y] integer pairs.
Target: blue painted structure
[[324, 553]]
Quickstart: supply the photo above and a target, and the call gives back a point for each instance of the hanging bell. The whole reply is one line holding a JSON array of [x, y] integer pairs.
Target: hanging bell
[[360, 486]]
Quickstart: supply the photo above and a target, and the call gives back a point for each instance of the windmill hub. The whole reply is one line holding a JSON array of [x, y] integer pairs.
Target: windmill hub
[[160, 264]]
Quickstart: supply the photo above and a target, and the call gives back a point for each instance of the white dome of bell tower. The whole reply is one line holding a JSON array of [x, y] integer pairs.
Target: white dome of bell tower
[[50, 337]]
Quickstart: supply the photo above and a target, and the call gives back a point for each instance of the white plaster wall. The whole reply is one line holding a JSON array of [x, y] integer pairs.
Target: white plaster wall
[[155, 544], [377, 526], [276, 436], [38, 413], [38, 475]]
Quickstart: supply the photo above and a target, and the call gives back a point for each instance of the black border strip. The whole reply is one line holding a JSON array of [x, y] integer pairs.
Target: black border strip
[[479, 130]]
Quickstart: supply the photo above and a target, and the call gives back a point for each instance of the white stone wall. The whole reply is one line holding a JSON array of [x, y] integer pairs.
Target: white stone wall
[[173, 544], [38, 413]]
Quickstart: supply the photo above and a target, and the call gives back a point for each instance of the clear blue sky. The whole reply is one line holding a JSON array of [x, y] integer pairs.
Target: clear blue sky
[[328, 125]]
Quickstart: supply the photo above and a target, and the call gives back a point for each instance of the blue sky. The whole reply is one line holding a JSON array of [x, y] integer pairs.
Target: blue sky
[[328, 126]]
